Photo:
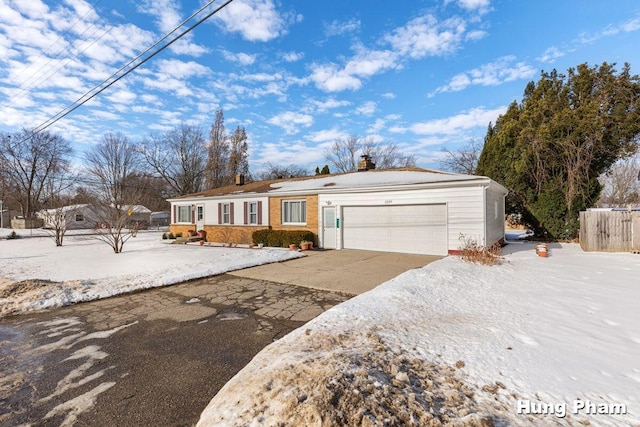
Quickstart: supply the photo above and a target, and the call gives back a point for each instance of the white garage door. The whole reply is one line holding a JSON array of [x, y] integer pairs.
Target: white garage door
[[416, 229]]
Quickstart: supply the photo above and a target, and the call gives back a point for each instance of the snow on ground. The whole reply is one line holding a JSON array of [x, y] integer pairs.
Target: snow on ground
[[35, 274], [533, 341]]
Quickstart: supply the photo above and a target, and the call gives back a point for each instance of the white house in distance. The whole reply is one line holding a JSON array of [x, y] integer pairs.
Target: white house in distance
[[408, 210], [86, 216]]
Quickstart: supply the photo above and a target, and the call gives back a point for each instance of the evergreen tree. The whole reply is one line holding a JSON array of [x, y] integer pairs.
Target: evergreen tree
[[550, 149], [325, 170], [317, 170]]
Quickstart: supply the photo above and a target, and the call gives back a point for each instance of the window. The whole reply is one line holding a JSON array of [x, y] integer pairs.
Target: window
[[184, 214], [253, 212], [200, 213], [294, 211], [79, 217], [226, 213]]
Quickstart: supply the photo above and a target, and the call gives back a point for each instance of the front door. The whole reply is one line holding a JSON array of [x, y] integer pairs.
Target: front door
[[199, 217], [329, 227]]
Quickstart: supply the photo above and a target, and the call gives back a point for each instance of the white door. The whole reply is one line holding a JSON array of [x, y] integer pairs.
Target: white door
[[329, 227], [417, 229], [199, 217]]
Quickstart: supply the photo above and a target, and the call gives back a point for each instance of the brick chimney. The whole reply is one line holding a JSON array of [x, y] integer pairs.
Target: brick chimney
[[365, 163], [239, 179]]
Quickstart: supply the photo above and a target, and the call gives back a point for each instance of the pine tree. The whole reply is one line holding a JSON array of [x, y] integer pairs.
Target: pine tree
[[325, 170], [550, 149]]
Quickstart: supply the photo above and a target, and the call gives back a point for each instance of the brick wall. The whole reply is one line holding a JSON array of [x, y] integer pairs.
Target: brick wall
[[222, 233], [275, 215]]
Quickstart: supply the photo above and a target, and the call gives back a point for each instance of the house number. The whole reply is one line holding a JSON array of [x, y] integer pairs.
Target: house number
[[388, 202]]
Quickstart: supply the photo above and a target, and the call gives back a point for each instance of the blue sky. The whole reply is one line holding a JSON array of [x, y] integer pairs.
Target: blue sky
[[298, 75]]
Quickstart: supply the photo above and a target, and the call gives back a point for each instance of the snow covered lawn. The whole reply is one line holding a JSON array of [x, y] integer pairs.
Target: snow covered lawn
[[35, 274], [534, 341]]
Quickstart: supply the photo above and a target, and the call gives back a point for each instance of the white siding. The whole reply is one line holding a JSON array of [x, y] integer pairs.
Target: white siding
[[494, 215], [465, 207], [211, 209]]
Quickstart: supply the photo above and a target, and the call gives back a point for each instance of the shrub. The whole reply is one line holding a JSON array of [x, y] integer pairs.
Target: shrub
[[178, 234], [13, 235], [472, 251], [281, 238], [165, 236]]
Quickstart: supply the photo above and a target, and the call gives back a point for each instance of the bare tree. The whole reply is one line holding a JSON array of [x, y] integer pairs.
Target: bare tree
[[217, 154], [621, 184], [113, 163], [177, 157], [342, 154], [238, 163], [276, 172], [57, 199], [463, 160], [31, 159]]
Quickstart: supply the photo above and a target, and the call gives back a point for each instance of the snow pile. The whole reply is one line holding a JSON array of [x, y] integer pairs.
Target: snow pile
[[459, 344], [35, 274]]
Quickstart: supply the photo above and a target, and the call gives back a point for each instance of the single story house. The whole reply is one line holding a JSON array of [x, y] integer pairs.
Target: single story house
[[81, 216], [408, 210], [87, 216]]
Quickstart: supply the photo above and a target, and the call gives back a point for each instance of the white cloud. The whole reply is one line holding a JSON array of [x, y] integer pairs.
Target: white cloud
[[181, 69], [122, 97], [241, 57], [476, 117], [336, 28], [421, 37], [551, 54], [367, 108], [389, 95], [291, 121], [327, 135], [324, 106], [474, 5], [292, 56], [476, 35], [503, 70], [425, 36], [255, 20], [168, 17]]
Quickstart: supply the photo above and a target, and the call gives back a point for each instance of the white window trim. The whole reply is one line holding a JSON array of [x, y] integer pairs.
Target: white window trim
[[200, 213], [282, 208], [226, 207], [254, 213], [178, 214]]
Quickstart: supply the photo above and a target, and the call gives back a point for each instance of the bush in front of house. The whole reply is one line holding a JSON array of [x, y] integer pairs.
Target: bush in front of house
[[281, 238]]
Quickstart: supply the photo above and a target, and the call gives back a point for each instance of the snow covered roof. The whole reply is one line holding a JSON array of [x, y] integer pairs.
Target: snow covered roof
[[353, 180]]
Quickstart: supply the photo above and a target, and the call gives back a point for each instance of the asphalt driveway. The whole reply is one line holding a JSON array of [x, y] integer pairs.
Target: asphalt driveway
[[157, 357], [347, 271]]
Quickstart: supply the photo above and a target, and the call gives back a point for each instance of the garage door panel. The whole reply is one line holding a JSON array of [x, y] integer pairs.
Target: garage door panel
[[407, 228]]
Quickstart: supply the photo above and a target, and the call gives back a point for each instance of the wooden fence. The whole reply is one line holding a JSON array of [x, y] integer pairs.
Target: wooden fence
[[610, 231]]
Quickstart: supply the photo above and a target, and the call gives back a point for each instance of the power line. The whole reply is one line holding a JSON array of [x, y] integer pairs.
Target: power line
[[105, 84], [23, 91]]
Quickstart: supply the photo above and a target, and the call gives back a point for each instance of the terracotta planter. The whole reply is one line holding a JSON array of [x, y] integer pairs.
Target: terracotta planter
[[201, 242], [305, 246], [541, 250], [293, 247], [202, 234]]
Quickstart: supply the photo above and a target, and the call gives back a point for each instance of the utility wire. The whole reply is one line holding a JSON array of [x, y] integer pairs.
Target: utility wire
[[111, 80], [23, 90]]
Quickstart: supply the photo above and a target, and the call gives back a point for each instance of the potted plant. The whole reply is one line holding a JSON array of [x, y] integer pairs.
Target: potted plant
[[191, 233], [202, 234], [293, 247], [306, 245]]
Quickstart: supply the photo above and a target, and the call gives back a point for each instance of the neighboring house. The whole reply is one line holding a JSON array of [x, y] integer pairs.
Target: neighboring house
[[159, 219], [86, 216], [407, 210], [80, 216]]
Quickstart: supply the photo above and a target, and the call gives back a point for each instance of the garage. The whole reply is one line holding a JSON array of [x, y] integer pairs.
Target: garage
[[418, 229]]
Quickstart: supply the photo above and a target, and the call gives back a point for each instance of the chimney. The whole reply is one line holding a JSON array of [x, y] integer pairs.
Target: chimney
[[239, 179], [365, 163]]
